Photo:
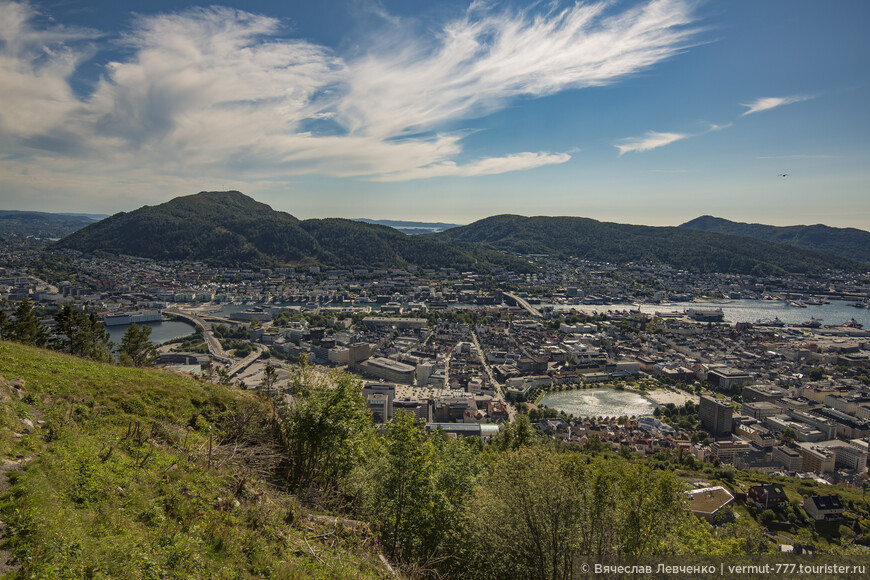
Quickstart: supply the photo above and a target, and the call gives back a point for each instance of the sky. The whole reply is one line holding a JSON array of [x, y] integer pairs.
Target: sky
[[647, 112]]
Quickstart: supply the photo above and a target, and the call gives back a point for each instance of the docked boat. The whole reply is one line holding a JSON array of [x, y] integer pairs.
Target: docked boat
[[811, 323], [776, 322]]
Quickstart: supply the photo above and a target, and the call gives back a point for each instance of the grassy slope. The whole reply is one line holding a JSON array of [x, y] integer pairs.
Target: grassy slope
[[97, 500]]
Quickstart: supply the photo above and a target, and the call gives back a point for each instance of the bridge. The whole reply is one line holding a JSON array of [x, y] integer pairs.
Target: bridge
[[523, 304], [214, 346]]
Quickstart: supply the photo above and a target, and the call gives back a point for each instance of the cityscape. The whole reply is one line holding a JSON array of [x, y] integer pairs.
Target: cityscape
[[558, 290]]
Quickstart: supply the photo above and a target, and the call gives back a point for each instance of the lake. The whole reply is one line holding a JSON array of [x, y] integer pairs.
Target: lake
[[601, 402]]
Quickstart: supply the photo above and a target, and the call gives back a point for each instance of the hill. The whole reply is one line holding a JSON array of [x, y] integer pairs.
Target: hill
[[849, 243], [226, 228], [231, 229], [358, 244], [621, 243], [41, 224]]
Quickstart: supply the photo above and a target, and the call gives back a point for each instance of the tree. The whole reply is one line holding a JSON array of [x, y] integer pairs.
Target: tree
[[81, 334], [136, 348], [270, 377], [27, 327], [324, 429]]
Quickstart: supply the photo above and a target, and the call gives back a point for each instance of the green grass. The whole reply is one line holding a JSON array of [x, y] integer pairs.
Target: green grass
[[119, 484]]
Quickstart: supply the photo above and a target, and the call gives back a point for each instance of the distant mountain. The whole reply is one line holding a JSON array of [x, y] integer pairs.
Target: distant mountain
[[411, 228], [41, 224], [845, 242], [621, 243], [231, 229]]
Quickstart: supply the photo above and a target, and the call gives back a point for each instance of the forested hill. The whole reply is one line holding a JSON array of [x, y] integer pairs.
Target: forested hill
[[359, 244], [217, 227], [845, 242], [231, 229], [40, 224], [620, 243]]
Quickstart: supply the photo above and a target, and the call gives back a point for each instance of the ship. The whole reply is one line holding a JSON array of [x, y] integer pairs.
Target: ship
[[811, 323], [767, 322]]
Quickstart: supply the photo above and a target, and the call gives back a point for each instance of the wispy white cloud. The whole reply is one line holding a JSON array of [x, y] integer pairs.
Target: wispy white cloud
[[219, 93], [488, 166], [649, 141], [767, 103], [653, 139]]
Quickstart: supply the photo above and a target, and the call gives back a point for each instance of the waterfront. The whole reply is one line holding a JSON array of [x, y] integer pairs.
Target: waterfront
[[603, 402], [837, 312]]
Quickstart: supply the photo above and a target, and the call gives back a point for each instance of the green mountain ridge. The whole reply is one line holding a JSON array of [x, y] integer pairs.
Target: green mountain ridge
[[622, 243], [231, 229], [850, 243]]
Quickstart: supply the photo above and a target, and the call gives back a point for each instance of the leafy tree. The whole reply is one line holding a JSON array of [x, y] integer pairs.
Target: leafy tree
[[518, 433], [27, 327], [81, 334], [136, 348], [325, 430]]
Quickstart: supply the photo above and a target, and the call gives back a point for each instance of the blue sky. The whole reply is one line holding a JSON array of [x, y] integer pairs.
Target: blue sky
[[650, 112]]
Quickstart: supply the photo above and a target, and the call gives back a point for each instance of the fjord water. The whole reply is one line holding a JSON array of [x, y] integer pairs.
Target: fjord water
[[160, 331]]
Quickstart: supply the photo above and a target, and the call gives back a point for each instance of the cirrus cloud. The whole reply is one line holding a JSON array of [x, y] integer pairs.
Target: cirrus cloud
[[220, 92], [767, 103]]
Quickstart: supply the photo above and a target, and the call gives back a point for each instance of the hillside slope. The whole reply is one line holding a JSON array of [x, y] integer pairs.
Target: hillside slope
[[849, 243], [125, 473], [621, 243]]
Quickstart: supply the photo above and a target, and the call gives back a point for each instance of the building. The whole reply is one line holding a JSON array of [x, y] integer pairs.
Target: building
[[727, 450], [789, 458], [390, 370], [816, 459], [762, 393], [706, 503], [715, 416], [724, 377], [767, 496], [485, 431], [381, 406], [824, 507], [760, 410]]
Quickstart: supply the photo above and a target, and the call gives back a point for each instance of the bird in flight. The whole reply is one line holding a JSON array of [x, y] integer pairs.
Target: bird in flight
[[783, 174]]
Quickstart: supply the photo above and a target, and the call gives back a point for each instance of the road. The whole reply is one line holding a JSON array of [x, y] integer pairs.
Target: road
[[214, 346], [512, 412], [247, 361]]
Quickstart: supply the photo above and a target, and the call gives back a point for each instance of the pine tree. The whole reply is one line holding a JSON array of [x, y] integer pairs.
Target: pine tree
[[136, 348], [81, 334], [27, 327]]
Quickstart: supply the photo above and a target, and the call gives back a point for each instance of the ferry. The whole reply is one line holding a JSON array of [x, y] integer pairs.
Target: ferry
[[767, 322], [138, 317]]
